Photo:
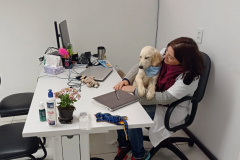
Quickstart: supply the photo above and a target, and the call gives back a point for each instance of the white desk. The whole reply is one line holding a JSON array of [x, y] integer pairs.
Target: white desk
[[137, 117]]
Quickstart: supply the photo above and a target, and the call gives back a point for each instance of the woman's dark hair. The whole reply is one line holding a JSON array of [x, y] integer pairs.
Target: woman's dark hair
[[187, 53]]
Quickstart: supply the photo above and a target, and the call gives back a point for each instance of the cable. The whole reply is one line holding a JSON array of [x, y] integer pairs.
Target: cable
[[157, 25], [72, 84], [76, 71], [70, 71], [50, 76], [49, 48]]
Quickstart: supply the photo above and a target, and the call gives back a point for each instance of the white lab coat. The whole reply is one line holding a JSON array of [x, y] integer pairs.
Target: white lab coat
[[158, 132]]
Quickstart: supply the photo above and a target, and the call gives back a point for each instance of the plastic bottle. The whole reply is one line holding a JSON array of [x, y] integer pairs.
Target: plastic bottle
[[70, 49], [85, 121], [51, 109], [42, 112]]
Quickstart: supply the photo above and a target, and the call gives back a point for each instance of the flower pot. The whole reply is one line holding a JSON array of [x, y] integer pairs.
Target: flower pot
[[65, 116]]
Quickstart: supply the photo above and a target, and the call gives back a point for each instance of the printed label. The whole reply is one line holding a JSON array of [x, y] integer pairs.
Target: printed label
[[50, 105], [51, 113]]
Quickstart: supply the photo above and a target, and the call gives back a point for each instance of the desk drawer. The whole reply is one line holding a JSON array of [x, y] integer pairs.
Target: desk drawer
[[71, 149]]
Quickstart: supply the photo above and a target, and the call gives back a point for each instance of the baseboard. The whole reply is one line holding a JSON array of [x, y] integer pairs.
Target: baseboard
[[200, 145]]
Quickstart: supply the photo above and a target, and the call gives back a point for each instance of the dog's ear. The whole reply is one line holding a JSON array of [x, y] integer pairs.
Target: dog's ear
[[156, 59]]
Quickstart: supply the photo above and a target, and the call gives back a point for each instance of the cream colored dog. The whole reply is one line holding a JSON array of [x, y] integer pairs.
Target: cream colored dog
[[149, 58]]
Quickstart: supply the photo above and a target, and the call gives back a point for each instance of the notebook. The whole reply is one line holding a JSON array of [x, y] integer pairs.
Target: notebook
[[115, 100], [99, 73]]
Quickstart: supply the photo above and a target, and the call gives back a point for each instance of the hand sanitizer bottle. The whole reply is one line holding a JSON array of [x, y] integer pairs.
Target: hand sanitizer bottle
[[51, 109], [42, 112]]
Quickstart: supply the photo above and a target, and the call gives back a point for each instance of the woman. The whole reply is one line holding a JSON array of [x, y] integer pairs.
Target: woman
[[179, 75]]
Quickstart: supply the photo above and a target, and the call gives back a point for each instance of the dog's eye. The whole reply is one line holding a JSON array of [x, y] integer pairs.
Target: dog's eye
[[146, 57]]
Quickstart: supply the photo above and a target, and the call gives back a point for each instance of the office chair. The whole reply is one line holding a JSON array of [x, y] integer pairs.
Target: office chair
[[195, 99], [12, 144]]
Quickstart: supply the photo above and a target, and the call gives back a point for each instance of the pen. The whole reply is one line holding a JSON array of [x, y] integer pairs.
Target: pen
[[116, 94]]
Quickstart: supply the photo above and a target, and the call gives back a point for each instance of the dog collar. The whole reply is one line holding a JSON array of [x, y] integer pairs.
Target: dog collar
[[152, 71]]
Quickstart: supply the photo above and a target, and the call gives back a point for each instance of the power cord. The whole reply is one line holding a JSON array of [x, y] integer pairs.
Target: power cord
[[72, 81], [156, 36], [51, 50], [76, 85], [50, 76]]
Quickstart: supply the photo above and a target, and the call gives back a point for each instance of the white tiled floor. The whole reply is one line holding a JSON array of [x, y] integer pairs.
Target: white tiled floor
[[106, 146]]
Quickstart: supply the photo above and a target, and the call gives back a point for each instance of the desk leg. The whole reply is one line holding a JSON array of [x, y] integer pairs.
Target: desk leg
[[57, 148], [84, 146]]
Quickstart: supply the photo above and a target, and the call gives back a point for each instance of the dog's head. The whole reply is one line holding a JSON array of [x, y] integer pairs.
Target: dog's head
[[149, 56]]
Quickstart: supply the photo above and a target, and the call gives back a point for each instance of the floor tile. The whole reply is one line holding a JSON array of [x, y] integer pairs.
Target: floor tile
[[109, 156], [2, 123], [6, 119], [179, 133], [192, 152], [17, 121], [23, 117], [102, 143], [165, 154]]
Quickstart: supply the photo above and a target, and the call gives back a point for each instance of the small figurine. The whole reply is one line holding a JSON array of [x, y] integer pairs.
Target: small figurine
[[89, 81]]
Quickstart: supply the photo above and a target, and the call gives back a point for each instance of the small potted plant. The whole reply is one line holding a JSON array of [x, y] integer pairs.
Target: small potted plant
[[67, 98]]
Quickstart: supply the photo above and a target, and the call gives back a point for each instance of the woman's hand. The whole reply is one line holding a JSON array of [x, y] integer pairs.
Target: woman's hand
[[129, 89], [121, 84]]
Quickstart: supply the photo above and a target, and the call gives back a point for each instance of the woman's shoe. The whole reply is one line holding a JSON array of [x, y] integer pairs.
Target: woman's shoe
[[123, 153], [146, 157]]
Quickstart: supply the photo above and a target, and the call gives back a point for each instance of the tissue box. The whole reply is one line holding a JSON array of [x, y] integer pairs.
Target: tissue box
[[53, 70]]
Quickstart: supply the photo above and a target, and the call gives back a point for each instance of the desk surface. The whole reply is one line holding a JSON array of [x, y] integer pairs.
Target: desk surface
[[137, 117]]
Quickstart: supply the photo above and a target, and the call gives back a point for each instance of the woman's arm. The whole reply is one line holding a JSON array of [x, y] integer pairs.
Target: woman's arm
[[163, 98], [132, 73], [175, 92], [128, 79]]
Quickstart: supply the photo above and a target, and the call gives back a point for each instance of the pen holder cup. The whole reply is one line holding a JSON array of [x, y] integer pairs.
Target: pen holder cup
[[67, 63]]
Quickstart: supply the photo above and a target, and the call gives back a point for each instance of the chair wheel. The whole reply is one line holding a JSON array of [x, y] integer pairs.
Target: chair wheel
[[190, 144]]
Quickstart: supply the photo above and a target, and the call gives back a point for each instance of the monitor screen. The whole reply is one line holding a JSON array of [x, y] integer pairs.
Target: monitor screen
[[64, 34]]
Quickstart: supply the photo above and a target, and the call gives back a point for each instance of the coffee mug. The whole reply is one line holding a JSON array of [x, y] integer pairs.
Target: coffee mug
[[101, 52]]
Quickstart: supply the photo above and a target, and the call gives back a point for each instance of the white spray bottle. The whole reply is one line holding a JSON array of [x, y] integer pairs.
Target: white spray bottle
[[51, 109]]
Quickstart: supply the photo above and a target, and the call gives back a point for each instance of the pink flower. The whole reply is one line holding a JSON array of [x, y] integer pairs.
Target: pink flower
[[67, 96]]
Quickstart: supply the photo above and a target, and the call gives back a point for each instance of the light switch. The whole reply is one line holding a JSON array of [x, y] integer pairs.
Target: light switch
[[199, 35]]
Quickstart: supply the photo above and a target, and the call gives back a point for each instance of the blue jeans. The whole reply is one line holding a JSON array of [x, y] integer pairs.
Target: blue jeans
[[135, 136]]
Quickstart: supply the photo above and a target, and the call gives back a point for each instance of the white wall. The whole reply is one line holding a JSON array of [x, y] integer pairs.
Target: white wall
[[124, 27], [27, 30], [217, 121]]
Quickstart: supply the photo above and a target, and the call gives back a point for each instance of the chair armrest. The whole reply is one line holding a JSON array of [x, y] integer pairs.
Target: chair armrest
[[171, 109]]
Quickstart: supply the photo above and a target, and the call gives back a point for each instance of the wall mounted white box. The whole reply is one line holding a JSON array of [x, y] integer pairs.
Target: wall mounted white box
[[199, 35]]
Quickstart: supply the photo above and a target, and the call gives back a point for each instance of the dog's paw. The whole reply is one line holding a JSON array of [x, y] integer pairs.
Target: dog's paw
[[141, 91], [150, 95]]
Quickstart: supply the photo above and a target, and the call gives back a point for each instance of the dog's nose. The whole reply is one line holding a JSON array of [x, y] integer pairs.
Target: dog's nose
[[141, 67]]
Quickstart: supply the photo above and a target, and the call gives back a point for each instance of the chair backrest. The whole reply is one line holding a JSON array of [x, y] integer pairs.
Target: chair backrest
[[199, 93], [195, 99]]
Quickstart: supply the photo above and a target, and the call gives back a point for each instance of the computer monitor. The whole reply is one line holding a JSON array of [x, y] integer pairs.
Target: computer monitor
[[63, 34]]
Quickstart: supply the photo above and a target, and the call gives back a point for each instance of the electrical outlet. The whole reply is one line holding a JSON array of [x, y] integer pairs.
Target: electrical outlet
[[199, 35]]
